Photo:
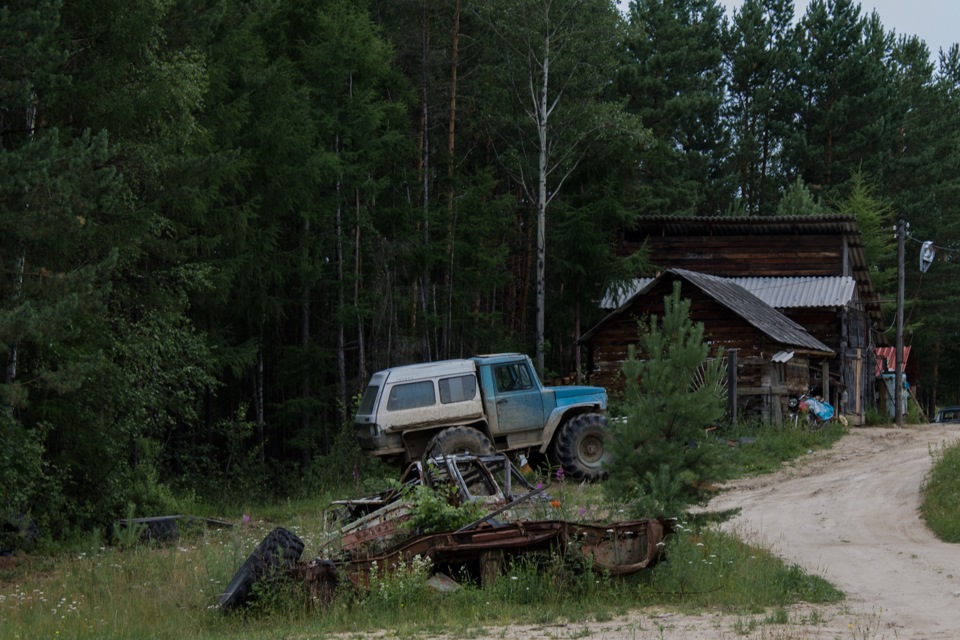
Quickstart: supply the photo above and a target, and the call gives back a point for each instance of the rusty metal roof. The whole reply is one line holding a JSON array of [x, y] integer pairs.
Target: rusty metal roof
[[778, 292]]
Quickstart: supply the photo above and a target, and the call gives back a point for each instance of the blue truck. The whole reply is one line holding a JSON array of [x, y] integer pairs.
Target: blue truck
[[482, 405]]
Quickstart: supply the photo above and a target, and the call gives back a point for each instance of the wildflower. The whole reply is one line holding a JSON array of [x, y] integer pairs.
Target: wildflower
[[555, 504], [582, 511], [560, 474], [539, 486]]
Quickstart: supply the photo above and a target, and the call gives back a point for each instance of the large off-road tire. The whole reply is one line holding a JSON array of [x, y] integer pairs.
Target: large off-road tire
[[459, 440], [582, 448], [280, 550]]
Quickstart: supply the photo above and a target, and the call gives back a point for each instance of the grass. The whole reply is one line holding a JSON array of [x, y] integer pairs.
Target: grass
[[150, 592], [768, 448], [99, 591], [940, 504]]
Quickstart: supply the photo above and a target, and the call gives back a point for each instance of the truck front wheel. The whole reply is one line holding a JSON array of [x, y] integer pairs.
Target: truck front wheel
[[581, 447], [460, 440]]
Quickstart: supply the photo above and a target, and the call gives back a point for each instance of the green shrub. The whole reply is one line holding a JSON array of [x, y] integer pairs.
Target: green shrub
[[438, 509], [940, 504]]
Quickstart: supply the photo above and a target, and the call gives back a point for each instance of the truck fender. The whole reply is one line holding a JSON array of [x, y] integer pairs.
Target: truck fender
[[415, 440], [560, 415]]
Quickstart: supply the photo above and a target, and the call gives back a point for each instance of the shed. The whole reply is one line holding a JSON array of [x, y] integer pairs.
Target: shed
[[774, 353], [812, 269]]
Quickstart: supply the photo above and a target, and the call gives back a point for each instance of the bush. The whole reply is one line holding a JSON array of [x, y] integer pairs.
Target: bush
[[940, 506], [665, 462]]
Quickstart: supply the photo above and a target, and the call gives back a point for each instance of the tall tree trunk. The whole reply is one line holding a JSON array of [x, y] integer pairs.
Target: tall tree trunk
[[542, 116], [305, 389], [20, 265], [341, 337], [451, 191], [361, 351], [258, 397], [425, 181]]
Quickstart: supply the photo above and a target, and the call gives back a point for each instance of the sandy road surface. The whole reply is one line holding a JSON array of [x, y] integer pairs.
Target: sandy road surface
[[849, 514]]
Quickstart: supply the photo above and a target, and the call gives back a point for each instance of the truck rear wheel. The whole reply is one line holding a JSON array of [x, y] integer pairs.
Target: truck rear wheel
[[460, 440], [581, 447]]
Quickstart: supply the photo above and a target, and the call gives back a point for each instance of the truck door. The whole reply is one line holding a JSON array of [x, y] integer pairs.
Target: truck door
[[519, 400]]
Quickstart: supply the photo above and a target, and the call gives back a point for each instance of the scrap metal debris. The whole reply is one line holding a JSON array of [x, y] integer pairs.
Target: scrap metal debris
[[372, 531]]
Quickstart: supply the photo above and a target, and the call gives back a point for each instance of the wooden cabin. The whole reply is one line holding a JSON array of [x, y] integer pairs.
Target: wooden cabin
[[774, 355], [810, 269]]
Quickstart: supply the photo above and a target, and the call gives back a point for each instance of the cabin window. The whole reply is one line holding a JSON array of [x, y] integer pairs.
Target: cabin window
[[412, 395], [513, 377], [458, 389]]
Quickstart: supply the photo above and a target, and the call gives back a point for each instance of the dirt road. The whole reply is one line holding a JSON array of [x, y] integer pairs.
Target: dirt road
[[849, 514]]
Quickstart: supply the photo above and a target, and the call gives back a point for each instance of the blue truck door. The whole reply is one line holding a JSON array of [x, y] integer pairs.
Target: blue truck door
[[519, 399]]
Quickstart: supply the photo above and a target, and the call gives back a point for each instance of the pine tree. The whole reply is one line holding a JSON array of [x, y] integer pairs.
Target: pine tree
[[672, 79], [663, 461], [761, 60], [844, 95]]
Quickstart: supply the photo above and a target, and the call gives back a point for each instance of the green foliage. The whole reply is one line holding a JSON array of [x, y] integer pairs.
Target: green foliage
[[940, 502], [438, 508], [798, 201], [671, 78], [217, 218], [875, 218], [664, 461], [761, 58], [752, 449], [707, 567]]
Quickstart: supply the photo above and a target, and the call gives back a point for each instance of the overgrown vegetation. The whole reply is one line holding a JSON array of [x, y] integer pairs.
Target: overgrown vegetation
[[218, 218], [167, 593], [940, 504], [664, 461]]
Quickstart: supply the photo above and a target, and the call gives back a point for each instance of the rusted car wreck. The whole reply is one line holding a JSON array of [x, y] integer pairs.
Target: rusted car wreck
[[372, 532]]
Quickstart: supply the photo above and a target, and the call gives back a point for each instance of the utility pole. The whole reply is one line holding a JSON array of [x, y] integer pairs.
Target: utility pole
[[898, 379]]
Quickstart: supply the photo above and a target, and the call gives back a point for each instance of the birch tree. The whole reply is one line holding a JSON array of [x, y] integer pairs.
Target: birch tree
[[548, 60]]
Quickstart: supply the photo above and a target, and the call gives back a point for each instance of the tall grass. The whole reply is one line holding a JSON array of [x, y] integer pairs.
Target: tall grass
[[170, 592], [940, 504], [756, 448], [97, 591]]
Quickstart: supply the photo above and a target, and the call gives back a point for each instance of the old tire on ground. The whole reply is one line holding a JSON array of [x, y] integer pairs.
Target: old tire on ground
[[459, 440], [279, 550], [582, 447]]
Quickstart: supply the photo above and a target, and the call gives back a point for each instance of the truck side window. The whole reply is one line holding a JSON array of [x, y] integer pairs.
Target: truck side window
[[411, 396], [512, 377], [458, 389]]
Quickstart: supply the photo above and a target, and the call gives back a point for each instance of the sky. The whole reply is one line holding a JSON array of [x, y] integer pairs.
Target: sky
[[937, 22]]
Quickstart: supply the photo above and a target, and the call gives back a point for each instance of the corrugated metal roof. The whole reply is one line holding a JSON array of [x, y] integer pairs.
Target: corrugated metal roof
[[750, 226], [790, 293], [740, 301], [834, 224], [888, 356], [753, 310], [779, 293]]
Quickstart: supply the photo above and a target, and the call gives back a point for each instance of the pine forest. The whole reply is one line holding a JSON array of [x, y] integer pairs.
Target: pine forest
[[219, 217]]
